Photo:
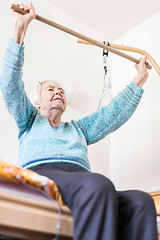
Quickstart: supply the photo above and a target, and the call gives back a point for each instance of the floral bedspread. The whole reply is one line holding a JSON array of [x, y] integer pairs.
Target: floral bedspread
[[12, 173]]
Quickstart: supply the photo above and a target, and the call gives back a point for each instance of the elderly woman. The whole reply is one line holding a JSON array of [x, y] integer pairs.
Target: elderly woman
[[58, 149]]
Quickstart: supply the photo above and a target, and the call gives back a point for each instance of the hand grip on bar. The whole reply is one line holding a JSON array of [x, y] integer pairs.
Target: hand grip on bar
[[79, 35]]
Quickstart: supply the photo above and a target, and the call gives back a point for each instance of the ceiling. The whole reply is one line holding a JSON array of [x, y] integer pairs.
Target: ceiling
[[110, 18]]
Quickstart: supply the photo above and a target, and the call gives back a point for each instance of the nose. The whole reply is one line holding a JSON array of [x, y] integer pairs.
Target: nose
[[57, 91]]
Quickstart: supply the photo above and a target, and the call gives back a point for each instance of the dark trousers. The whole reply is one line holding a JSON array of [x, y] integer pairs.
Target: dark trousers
[[99, 211]]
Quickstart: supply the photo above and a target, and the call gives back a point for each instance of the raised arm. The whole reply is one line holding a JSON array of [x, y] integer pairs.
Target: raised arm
[[97, 125], [11, 84]]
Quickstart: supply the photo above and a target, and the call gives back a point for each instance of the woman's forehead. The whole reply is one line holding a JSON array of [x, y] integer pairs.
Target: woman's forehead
[[49, 83]]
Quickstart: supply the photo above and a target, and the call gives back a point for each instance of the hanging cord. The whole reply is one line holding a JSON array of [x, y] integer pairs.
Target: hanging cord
[[106, 84], [58, 224]]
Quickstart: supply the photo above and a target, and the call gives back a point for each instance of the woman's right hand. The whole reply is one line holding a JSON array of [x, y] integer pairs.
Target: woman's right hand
[[21, 22]]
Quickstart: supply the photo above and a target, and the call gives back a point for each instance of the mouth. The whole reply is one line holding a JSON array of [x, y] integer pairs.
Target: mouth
[[57, 99]]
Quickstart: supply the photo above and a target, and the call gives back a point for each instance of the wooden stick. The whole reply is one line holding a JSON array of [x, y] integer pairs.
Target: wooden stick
[[131, 49], [79, 35], [137, 50]]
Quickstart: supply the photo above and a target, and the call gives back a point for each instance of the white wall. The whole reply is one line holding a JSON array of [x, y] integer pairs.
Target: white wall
[[135, 147], [131, 158], [50, 53]]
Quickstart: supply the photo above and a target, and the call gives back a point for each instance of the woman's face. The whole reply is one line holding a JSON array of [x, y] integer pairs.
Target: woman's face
[[52, 97]]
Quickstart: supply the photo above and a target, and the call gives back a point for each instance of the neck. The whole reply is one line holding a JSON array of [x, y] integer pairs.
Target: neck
[[53, 117], [55, 122]]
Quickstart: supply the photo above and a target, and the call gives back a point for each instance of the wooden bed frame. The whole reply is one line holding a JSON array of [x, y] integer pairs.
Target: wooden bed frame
[[27, 213]]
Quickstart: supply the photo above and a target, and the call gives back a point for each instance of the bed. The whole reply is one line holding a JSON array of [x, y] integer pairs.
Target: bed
[[28, 213], [31, 206]]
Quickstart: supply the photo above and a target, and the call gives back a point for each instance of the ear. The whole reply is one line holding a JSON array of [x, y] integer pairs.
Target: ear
[[38, 106]]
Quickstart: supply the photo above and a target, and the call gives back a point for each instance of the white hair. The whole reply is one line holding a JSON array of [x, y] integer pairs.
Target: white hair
[[35, 96]]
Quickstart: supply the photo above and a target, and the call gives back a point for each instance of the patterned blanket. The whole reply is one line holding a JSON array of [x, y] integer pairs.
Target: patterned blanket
[[12, 173]]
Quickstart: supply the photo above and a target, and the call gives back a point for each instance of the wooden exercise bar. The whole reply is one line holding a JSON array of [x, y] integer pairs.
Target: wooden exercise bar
[[79, 35], [131, 49]]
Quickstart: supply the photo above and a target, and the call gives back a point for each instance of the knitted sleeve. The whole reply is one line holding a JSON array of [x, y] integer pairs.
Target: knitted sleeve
[[106, 120], [12, 86]]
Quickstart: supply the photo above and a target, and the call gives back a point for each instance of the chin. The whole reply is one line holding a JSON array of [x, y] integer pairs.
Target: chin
[[58, 107]]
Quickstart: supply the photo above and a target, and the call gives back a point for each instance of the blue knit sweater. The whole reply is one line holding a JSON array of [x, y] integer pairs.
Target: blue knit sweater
[[39, 142]]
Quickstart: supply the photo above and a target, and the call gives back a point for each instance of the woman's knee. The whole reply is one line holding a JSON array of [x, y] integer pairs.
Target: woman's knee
[[140, 200], [97, 183]]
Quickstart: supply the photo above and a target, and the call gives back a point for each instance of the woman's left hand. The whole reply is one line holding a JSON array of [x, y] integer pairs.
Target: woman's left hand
[[142, 75]]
